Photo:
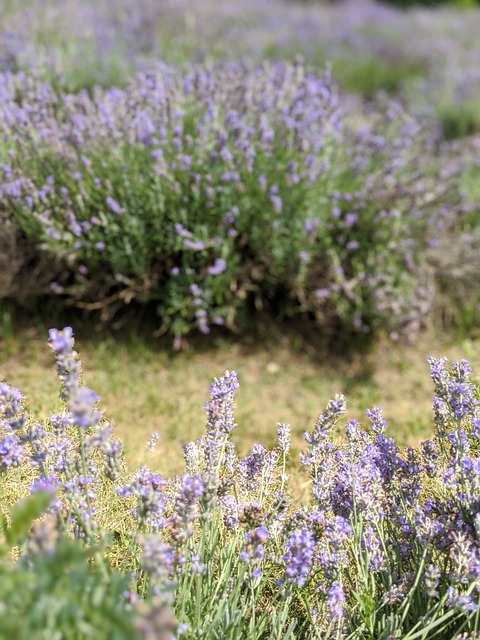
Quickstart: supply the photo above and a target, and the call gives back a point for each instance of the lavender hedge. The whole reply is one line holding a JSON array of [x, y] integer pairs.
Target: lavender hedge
[[386, 545], [224, 187]]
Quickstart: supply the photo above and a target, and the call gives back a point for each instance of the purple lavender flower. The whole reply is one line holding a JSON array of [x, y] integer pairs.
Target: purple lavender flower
[[253, 551], [299, 556], [252, 466], [323, 425], [220, 421], [372, 546], [332, 552], [68, 368], [149, 489], [111, 452], [432, 579], [186, 509], [465, 559], [56, 288], [358, 484], [335, 600], [462, 602], [231, 512], [283, 437], [377, 421], [454, 390], [218, 267], [197, 567], [61, 341], [11, 453], [428, 528], [50, 485], [113, 205], [323, 293], [321, 451], [430, 456], [81, 405], [304, 256], [224, 386], [10, 407], [10, 401], [158, 558]]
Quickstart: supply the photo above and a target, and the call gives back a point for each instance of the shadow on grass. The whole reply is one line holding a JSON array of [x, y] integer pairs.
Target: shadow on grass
[[137, 333]]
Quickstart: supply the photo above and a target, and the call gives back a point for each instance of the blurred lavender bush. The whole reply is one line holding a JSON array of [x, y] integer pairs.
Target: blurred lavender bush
[[429, 55], [226, 186], [386, 545], [464, 4]]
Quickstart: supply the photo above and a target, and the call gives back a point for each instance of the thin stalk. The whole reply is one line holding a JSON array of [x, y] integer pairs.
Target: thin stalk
[[419, 575]]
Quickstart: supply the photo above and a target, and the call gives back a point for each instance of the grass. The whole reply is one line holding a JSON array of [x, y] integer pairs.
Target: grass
[[368, 76], [144, 387]]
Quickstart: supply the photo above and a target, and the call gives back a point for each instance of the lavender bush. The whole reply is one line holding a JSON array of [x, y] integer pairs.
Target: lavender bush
[[225, 187], [386, 546]]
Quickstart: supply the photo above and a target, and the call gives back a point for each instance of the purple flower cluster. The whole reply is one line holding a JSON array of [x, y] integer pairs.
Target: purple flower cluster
[[455, 392], [335, 600], [12, 421], [257, 470], [158, 558], [149, 490], [298, 558], [254, 551], [320, 451], [80, 400], [64, 452], [186, 508], [220, 147], [220, 420], [10, 405], [387, 526], [11, 452]]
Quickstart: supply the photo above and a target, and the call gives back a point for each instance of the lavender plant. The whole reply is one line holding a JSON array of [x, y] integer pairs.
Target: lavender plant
[[387, 545], [58, 587], [225, 187]]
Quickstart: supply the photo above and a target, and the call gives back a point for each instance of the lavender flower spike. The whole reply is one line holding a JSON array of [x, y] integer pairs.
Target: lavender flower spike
[[68, 367], [220, 420], [335, 600], [10, 401], [10, 453], [80, 400], [283, 437], [299, 556], [10, 408]]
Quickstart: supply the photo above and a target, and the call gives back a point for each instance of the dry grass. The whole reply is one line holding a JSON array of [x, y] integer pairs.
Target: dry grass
[[145, 388]]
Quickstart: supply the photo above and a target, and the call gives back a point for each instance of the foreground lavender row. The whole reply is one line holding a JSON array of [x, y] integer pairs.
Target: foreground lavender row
[[222, 188], [385, 547]]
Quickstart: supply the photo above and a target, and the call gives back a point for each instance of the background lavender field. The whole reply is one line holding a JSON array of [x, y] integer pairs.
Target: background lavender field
[[289, 190], [390, 160], [432, 55]]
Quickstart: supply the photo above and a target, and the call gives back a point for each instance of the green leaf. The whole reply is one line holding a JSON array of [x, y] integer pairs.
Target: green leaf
[[24, 513]]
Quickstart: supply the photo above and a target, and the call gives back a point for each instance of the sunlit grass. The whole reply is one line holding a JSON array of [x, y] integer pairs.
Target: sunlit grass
[[144, 387]]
